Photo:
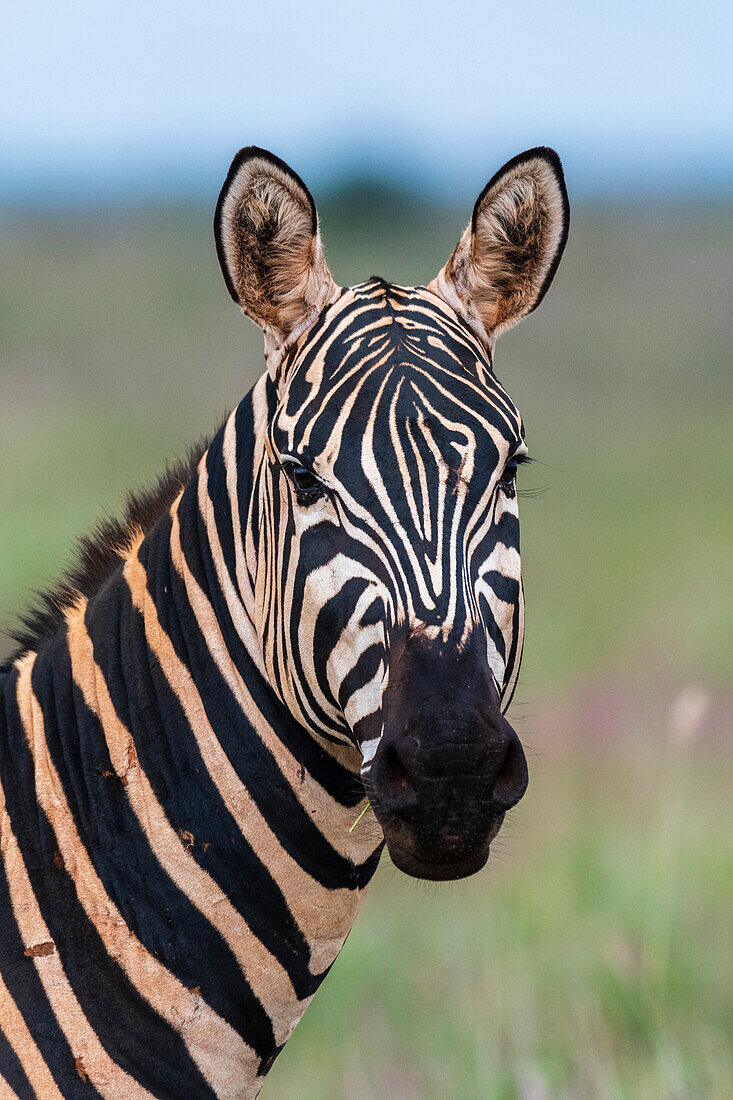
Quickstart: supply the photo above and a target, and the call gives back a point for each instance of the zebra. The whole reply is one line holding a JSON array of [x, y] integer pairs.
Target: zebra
[[296, 648]]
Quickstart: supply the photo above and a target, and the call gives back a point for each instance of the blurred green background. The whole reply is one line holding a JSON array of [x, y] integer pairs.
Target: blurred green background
[[592, 958]]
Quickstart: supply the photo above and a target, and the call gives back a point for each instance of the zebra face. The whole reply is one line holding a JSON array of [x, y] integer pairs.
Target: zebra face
[[394, 454], [391, 603]]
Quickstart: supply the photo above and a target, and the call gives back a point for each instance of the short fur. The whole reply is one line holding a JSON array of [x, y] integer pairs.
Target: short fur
[[98, 553]]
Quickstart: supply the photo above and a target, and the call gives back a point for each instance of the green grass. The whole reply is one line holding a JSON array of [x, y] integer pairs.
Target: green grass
[[593, 957]]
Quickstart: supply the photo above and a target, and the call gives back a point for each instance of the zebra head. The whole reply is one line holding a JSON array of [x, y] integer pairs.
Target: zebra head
[[388, 579]]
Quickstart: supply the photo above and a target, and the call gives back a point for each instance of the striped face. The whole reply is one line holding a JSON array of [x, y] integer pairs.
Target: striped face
[[388, 582], [392, 552]]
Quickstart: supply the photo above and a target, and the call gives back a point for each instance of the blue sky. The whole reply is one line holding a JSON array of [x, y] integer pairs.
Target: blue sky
[[133, 97]]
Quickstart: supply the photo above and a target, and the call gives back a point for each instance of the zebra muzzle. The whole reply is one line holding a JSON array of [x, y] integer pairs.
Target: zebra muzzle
[[447, 769]]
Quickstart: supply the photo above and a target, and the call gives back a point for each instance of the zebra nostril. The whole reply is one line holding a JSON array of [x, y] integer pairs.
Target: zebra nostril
[[395, 773], [512, 780]]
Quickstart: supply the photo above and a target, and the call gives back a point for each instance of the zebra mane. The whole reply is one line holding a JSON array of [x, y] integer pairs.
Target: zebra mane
[[97, 553]]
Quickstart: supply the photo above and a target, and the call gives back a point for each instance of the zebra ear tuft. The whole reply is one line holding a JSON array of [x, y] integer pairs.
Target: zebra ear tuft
[[505, 261], [268, 244]]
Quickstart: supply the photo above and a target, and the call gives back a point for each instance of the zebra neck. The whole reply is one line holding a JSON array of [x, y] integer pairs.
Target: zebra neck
[[186, 864]]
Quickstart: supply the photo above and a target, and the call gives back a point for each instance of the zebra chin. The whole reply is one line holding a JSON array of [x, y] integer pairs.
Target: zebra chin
[[438, 838], [450, 861]]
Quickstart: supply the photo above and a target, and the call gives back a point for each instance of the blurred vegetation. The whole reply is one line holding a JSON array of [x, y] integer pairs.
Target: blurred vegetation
[[593, 957]]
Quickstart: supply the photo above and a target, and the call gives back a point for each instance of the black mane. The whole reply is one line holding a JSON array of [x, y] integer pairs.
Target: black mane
[[98, 553]]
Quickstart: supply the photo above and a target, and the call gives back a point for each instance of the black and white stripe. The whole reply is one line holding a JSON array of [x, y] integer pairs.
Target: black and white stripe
[[187, 731]]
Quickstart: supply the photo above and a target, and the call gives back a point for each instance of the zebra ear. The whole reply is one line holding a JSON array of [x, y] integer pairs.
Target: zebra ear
[[505, 261], [269, 247]]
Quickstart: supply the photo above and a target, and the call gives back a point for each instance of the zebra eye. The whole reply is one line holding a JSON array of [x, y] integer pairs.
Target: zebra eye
[[508, 480], [307, 485]]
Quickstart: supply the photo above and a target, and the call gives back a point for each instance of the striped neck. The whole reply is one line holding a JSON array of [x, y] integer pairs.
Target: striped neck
[[189, 868]]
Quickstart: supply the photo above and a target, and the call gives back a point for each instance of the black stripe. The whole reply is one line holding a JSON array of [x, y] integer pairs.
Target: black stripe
[[198, 806], [146, 1047], [506, 588], [327, 772], [12, 1072], [18, 970], [252, 761], [169, 754], [219, 497], [332, 776], [166, 921], [362, 673], [24, 985]]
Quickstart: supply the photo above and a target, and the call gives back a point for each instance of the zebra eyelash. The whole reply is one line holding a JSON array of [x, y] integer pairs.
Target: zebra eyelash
[[528, 494], [508, 480], [511, 464]]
